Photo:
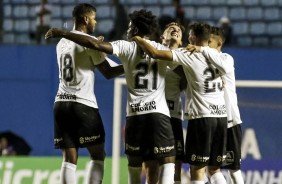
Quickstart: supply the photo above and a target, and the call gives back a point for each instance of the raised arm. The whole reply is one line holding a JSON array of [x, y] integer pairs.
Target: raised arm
[[82, 40], [152, 51], [213, 56]]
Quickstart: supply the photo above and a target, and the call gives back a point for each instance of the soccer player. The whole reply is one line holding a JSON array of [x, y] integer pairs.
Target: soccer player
[[225, 63], [148, 127], [175, 83], [76, 116], [207, 127]]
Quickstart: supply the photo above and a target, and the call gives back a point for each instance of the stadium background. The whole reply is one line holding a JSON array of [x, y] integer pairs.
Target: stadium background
[[28, 80]]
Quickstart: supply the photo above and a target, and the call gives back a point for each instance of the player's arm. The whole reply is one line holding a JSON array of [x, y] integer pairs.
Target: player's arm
[[212, 55], [82, 40], [110, 69], [152, 51]]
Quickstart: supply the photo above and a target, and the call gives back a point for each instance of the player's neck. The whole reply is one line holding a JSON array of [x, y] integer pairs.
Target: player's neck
[[81, 29], [202, 43], [174, 45]]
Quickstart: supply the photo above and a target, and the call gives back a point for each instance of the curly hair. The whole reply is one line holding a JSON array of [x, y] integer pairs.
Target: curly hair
[[144, 20], [201, 30]]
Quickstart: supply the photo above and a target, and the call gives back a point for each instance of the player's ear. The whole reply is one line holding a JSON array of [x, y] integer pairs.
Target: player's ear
[[85, 19], [220, 43], [135, 31]]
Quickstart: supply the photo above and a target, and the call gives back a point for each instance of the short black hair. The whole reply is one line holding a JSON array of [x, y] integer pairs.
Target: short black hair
[[201, 30], [144, 20], [80, 10], [219, 32]]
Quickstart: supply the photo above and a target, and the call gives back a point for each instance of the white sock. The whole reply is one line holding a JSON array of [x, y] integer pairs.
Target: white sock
[[236, 177], [134, 175], [68, 173], [166, 173], [217, 178], [197, 182], [95, 172]]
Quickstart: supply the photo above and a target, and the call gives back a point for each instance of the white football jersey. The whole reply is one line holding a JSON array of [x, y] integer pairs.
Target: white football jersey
[[205, 97], [173, 94], [225, 63], [145, 78], [76, 72]]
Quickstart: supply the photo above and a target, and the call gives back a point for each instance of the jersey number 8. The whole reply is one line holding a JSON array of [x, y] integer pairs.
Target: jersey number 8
[[67, 67]]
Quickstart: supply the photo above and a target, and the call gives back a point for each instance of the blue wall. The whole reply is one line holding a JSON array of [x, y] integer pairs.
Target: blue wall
[[28, 81]]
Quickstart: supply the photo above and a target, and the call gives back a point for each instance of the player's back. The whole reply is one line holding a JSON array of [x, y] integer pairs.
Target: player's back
[[76, 72], [205, 86], [145, 79]]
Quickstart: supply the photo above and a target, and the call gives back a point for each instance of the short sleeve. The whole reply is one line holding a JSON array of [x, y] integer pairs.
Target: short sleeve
[[96, 56], [122, 49]]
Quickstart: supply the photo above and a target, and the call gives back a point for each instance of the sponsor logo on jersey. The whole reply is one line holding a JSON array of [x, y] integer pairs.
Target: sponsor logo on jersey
[[132, 148], [141, 106], [167, 149], [83, 140], [57, 141], [197, 158], [217, 109], [65, 96]]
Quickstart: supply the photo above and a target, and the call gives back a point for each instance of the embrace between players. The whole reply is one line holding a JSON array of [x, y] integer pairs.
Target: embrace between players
[[156, 74]]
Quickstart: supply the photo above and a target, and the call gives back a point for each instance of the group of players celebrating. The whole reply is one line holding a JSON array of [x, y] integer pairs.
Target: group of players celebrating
[[156, 74]]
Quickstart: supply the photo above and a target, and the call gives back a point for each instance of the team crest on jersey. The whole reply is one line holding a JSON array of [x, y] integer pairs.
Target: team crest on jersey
[[142, 106]]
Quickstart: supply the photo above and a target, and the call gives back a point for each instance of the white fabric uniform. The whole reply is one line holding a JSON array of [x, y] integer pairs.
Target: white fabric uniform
[[173, 94], [145, 79], [225, 63], [76, 72], [205, 97]]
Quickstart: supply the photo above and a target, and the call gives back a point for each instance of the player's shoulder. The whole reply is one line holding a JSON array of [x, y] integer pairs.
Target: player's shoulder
[[157, 45], [123, 42], [227, 57], [180, 50], [82, 33]]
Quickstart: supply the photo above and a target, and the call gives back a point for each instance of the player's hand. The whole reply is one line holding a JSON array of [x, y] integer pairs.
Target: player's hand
[[100, 38], [54, 33], [193, 48]]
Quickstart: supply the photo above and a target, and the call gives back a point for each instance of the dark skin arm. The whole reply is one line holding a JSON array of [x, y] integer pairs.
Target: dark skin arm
[[151, 51], [193, 48], [109, 71], [82, 40], [105, 68]]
